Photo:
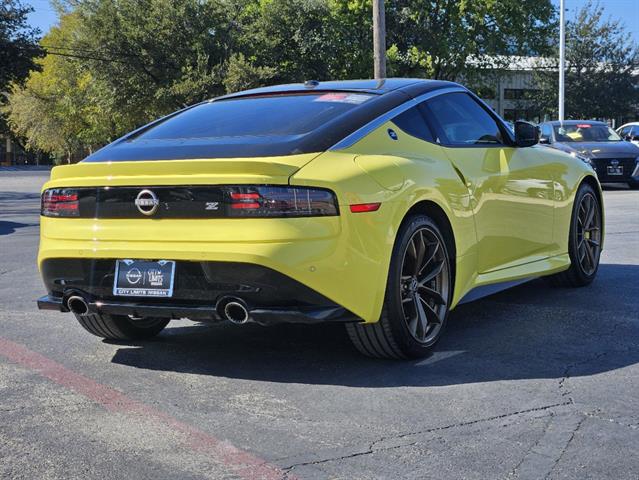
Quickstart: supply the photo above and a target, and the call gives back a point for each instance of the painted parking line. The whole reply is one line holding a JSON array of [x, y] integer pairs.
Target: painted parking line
[[240, 462]]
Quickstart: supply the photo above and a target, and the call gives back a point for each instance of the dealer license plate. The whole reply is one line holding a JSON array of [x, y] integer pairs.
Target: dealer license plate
[[144, 278]]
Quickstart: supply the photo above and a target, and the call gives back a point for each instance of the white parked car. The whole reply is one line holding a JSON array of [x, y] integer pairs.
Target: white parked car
[[630, 132]]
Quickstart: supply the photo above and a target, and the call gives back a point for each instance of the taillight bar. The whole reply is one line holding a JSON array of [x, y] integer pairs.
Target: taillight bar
[[58, 202], [191, 201], [280, 201]]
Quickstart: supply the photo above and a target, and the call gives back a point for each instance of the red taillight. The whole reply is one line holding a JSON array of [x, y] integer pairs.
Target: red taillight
[[59, 202], [365, 207], [244, 200], [276, 201], [244, 196], [245, 205]]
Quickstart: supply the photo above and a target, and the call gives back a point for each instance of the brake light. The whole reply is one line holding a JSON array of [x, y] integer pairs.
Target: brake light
[[275, 201], [244, 200], [60, 202]]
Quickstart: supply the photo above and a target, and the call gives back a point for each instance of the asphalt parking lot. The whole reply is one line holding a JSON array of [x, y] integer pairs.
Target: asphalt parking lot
[[531, 383]]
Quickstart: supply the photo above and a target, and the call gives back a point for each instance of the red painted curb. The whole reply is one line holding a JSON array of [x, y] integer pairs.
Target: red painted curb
[[243, 464]]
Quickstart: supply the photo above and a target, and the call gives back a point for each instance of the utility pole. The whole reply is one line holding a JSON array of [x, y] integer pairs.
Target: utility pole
[[379, 39], [562, 57]]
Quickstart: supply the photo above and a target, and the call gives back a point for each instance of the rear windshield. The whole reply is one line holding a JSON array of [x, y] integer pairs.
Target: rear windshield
[[275, 115], [585, 132]]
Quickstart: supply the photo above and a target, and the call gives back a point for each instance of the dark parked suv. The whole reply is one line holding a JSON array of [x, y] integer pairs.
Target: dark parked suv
[[614, 160]]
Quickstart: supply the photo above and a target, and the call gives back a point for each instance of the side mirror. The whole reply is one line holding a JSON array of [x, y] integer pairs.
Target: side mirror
[[544, 141], [634, 138], [526, 134]]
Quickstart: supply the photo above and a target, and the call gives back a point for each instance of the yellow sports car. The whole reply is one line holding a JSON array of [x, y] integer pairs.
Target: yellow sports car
[[381, 205]]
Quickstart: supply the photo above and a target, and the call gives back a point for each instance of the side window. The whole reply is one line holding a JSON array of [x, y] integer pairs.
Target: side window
[[412, 122], [624, 132], [463, 121], [546, 132]]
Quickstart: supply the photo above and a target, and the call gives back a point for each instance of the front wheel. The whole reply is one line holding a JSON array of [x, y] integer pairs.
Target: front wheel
[[121, 327], [417, 299], [584, 242]]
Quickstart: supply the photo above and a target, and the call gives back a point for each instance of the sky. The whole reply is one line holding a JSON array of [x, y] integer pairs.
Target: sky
[[626, 10]]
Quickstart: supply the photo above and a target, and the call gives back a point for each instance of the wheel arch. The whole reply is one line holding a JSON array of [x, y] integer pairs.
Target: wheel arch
[[596, 186]]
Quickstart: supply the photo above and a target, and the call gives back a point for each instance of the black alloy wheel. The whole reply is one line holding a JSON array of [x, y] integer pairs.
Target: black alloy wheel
[[418, 294], [424, 285], [584, 242]]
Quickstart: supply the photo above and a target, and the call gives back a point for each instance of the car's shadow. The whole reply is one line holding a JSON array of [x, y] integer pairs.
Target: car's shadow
[[7, 228], [532, 331]]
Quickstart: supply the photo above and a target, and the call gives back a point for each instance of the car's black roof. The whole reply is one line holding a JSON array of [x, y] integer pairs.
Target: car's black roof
[[388, 94], [556, 123], [365, 86]]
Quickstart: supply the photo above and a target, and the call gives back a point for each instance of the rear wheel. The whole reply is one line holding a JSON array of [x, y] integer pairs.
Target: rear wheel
[[584, 243], [121, 327], [418, 292]]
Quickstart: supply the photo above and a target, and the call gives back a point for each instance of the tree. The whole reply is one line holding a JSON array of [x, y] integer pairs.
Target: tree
[[18, 47], [437, 38], [600, 63], [58, 109], [154, 56], [307, 39], [18, 43], [113, 65]]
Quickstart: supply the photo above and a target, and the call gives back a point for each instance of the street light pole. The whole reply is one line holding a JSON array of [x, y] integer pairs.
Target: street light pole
[[379, 39], [562, 57]]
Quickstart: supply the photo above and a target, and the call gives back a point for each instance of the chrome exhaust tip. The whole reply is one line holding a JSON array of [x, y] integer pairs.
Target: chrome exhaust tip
[[233, 309], [77, 305]]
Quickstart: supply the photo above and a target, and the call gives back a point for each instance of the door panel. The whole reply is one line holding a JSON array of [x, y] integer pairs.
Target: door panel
[[512, 194], [511, 188]]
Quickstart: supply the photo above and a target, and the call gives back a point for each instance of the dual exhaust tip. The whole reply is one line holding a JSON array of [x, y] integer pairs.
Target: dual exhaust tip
[[229, 308], [77, 304], [233, 309]]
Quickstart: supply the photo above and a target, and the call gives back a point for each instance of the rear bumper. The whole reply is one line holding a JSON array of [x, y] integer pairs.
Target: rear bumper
[[264, 316], [270, 296], [343, 258]]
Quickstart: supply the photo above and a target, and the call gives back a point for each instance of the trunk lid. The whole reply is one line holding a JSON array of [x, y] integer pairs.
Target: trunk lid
[[261, 170]]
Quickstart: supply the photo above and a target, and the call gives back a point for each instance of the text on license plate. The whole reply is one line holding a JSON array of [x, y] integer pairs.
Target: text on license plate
[[144, 278]]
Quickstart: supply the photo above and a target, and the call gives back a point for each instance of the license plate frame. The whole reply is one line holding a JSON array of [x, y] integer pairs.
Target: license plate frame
[[144, 278], [614, 170]]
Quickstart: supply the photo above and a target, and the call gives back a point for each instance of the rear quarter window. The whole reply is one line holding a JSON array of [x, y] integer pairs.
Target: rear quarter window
[[412, 122]]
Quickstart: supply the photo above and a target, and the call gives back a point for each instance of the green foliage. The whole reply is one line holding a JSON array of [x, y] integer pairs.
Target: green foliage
[[242, 74], [600, 63], [58, 108], [154, 55], [435, 38], [19, 48], [18, 43], [116, 64]]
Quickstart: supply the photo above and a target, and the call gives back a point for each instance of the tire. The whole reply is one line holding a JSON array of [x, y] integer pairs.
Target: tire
[[401, 332], [121, 327], [633, 184], [583, 266]]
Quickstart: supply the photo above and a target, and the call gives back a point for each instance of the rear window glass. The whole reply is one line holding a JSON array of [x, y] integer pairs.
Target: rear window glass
[[276, 115]]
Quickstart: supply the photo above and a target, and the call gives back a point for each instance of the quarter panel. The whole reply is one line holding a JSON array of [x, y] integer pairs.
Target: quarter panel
[[427, 175]]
